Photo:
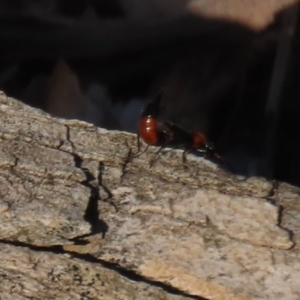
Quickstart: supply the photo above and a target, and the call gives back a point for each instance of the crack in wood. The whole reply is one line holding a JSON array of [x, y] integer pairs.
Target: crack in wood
[[129, 274]]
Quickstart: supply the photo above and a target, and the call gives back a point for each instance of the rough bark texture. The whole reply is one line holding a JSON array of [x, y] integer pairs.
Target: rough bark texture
[[82, 218]]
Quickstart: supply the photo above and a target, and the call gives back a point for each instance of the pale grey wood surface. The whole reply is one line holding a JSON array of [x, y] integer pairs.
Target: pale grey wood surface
[[169, 231]]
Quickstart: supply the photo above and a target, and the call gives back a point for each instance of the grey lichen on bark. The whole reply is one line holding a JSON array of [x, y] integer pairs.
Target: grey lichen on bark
[[81, 214]]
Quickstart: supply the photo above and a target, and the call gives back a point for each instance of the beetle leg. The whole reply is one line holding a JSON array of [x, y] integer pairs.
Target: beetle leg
[[154, 158], [184, 153], [138, 142], [139, 147]]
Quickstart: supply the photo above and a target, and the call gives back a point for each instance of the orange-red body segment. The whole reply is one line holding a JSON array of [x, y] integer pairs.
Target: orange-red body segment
[[148, 130], [199, 140]]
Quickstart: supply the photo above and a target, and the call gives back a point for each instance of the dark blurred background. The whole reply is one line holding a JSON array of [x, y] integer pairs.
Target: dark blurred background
[[229, 69]]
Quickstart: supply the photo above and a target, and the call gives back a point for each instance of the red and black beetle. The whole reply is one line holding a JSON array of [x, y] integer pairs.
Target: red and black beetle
[[167, 134]]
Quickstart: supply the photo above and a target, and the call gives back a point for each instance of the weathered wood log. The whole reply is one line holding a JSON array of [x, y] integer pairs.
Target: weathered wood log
[[83, 217]]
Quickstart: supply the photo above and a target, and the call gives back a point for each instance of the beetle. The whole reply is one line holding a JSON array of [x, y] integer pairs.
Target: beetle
[[168, 134]]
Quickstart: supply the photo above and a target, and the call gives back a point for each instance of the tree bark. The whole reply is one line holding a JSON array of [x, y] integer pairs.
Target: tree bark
[[83, 217]]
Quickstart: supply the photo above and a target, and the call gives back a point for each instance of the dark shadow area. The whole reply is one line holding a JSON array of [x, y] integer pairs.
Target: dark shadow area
[[128, 57]]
